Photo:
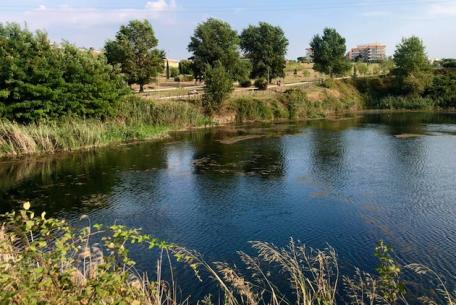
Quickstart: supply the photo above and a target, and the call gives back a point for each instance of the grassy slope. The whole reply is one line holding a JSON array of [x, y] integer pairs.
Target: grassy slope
[[141, 119]]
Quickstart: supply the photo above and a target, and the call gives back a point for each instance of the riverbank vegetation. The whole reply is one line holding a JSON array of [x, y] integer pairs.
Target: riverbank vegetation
[[45, 260], [57, 97]]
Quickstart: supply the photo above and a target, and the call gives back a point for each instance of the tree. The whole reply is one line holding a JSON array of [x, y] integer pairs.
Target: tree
[[214, 41], [413, 71], [40, 80], [185, 67], [218, 86], [134, 49], [265, 45], [329, 53]]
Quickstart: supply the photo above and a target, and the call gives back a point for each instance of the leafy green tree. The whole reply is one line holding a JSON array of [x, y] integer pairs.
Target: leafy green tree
[[214, 41], [134, 49], [329, 53], [265, 45], [39, 80], [413, 72], [185, 67], [218, 86]]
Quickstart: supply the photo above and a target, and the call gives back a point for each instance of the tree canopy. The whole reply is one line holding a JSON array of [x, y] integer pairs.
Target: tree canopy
[[134, 49], [40, 80], [413, 71], [329, 53], [266, 46], [214, 41]]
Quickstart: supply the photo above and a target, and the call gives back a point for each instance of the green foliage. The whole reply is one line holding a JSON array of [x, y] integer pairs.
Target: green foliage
[[329, 53], [448, 63], [185, 67], [443, 90], [252, 109], [45, 261], [410, 102], [174, 72], [391, 289], [39, 80], [413, 72], [134, 49], [218, 86], [135, 119], [214, 41], [261, 83], [266, 46], [362, 68], [246, 83]]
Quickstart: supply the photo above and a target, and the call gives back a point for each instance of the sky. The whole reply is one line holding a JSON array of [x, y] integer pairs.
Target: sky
[[89, 23]]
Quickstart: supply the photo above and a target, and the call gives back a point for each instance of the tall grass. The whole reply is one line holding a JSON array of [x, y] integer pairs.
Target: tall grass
[[136, 119], [46, 261]]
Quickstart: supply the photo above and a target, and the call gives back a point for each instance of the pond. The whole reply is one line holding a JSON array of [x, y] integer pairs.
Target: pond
[[346, 182]]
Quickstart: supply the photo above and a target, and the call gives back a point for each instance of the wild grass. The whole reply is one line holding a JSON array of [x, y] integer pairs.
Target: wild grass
[[136, 119], [46, 261]]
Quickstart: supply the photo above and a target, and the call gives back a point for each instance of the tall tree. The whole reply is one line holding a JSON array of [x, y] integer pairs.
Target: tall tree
[[265, 45], [135, 50], [214, 41], [329, 53], [413, 71]]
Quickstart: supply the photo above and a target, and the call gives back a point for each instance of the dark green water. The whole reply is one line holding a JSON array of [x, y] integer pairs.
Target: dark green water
[[347, 183]]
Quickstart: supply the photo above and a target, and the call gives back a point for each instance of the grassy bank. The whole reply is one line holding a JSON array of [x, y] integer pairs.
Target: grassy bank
[[46, 261], [138, 118]]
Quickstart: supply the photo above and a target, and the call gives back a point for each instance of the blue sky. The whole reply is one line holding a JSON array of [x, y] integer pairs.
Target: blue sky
[[90, 23]]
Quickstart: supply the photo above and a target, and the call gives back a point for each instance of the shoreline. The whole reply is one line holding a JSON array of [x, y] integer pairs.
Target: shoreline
[[167, 131]]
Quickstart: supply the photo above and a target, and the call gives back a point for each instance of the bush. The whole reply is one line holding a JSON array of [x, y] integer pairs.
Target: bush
[[261, 84], [406, 102], [443, 90], [245, 83], [40, 81], [218, 86], [174, 72], [188, 78]]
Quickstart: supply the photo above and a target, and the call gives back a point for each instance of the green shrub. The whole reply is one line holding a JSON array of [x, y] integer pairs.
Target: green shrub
[[218, 86], [406, 102], [261, 84], [39, 80], [443, 90], [246, 83], [296, 101], [174, 72]]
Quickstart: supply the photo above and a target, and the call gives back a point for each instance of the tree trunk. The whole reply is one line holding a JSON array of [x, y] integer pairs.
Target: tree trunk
[[141, 88]]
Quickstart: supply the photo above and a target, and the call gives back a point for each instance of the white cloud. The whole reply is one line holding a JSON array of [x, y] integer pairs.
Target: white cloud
[[46, 17], [161, 5], [443, 9]]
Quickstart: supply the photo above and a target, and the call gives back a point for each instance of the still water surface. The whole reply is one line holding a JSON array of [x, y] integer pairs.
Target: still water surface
[[347, 183]]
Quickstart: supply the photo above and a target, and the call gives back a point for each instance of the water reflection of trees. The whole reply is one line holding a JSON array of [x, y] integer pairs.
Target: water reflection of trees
[[73, 181], [262, 156]]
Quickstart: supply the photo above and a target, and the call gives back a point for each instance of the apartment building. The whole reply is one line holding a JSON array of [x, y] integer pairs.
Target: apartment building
[[369, 52]]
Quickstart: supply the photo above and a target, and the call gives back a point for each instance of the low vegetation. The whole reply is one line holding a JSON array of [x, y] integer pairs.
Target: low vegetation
[[47, 261], [135, 119]]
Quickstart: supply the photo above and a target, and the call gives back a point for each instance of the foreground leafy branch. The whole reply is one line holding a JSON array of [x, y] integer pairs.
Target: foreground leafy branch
[[47, 261]]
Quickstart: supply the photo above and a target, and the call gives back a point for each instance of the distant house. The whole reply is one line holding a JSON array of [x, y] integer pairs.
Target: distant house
[[368, 52], [173, 63]]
